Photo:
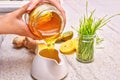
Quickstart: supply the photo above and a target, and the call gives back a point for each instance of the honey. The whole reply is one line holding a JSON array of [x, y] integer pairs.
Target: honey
[[46, 22], [52, 54]]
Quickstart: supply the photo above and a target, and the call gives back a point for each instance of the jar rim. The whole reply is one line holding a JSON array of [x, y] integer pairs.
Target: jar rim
[[87, 36]]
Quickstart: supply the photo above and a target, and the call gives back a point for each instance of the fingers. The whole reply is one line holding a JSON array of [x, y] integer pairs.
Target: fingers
[[34, 37], [29, 34], [56, 3], [32, 4], [62, 12], [19, 12], [59, 7]]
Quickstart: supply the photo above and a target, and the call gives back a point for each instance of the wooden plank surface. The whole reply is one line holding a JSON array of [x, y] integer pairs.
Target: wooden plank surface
[[16, 64]]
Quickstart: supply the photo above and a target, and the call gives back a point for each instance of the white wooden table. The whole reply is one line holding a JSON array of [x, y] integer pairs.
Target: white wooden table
[[16, 64]]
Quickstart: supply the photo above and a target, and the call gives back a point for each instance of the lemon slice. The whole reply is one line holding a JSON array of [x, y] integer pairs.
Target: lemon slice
[[75, 43], [67, 47]]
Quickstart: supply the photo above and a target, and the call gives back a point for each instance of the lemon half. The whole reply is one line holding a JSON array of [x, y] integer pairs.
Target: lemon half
[[67, 47]]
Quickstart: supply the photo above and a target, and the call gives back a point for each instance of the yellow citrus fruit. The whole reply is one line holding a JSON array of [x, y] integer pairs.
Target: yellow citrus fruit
[[75, 43], [67, 35], [67, 47], [64, 36]]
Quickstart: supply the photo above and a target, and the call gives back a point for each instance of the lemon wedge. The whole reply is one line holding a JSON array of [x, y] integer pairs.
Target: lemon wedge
[[67, 47], [67, 35]]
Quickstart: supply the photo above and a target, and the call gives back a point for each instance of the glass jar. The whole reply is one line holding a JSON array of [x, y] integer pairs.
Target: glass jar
[[45, 21], [85, 52]]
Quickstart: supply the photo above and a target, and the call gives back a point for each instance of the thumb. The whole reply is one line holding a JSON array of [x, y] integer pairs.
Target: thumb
[[22, 10], [32, 4]]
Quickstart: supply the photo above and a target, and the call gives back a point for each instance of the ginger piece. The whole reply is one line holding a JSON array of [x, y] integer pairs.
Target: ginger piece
[[69, 46], [30, 44], [27, 42], [18, 41]]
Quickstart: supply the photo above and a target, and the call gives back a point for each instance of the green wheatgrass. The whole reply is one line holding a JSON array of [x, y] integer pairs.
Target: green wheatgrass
[[87, 31]]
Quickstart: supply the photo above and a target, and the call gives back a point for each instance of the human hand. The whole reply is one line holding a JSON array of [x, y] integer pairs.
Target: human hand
[[56, 3], [13, 23]]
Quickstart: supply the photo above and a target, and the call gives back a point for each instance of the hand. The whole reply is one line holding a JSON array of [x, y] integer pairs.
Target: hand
[[56, 3], [12, 23]]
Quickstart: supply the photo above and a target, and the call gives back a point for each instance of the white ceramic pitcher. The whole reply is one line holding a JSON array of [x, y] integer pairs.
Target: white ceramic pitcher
[[44, 68]]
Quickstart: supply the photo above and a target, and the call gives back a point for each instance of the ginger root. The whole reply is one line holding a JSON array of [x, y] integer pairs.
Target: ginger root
[[18, 41], [30, 44], [27, 42]]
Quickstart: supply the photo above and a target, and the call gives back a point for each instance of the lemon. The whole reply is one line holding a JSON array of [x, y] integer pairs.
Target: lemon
[[67, 47], [75, 43], [67, 35]]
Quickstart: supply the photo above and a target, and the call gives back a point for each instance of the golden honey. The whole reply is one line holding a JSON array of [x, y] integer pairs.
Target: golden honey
[[53, 54], [46, 22]]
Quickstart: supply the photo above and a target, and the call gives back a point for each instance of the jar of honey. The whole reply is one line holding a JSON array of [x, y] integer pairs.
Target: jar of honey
[[45, 21]]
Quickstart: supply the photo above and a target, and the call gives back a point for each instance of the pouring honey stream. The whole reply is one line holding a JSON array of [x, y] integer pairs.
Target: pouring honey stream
[[47, 24]]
